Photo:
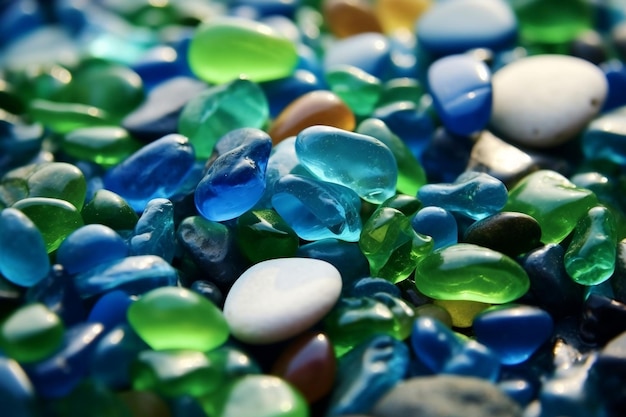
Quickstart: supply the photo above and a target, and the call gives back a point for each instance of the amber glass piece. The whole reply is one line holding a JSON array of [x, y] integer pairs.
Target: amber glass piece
[[315, 108], [309, 364], [400, 14], [350, 17]]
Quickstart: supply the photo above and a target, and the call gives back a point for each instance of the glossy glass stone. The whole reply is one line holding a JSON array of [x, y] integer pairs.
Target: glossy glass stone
[[398, 15], [63, 118], [470, 272], [368, 51], [605, 137], [109, 209], [224, 48], [31, 333], [462, 312], [104, 145], [154, 232], [263, 234], [177, 318], [16, 391], [358, 89], [347, 18]]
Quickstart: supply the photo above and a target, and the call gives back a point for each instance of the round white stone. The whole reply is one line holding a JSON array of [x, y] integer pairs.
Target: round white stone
[[545, 100], [280, 298]]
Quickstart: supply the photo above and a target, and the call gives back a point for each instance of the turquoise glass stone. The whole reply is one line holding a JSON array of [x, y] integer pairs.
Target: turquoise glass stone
[[605, 137], [154, 232], [23, 256], [360, 162], [460, 86], [220, 109], [316, 209], [469, 272]]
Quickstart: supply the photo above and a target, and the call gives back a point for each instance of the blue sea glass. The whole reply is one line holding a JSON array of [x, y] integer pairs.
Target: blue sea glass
[[460, 86], [89, 246], [110, 309], [17, 394], [360, 162], [281, 92], [316, 209], [615, 73], [437, 223], [605, 137], [154, 232], [155, 171], [367, 51], [235, 181]]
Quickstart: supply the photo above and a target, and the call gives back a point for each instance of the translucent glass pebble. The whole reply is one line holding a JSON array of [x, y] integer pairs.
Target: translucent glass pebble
[[346, 18], [513, 332], [473, 194], [542, 21], [235, 181], [109, 209], [16, 391], [23, 256], [460, 86], [358, 89], [31, 333], [590, 256], [104, 145], [469, 272], [368, 51], [554, 201], [223, 48], [156, 170], [437, 223], [357, 161], [134, 274], [605, 137], [316, 209], [391, 245], [263, 234], [220, 109], [154, 232], [89, 246], [449, 28], [177, 318]]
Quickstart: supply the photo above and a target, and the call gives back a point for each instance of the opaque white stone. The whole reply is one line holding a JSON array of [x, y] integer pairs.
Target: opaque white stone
[[545, 100], [279, 298]]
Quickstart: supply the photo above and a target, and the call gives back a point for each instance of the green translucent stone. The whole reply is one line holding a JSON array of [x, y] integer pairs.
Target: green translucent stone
[[590, 256], [100, 401], [39, 81], [354, 320], [219, 110], [406, 204], [257, 396], [177, 318], [175, 373], [104, 145], [64, 117], [94, 81], [54, 218], [263, 234], [391, 246], [552, 21], [225, 48], [10, 100], [554, 201], [358, 89], [52, 179], [400, 89], [403, 314], [470, 272], [31, 333], [411, 174], [111, 210], [233, 362]]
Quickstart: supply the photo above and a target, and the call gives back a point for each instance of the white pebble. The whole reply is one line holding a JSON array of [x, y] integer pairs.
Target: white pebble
[[545, 100], [280, 298]]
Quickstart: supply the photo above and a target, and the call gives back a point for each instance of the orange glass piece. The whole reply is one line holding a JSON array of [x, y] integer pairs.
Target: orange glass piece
[[309, 364], [315, 108], [400, 14], [350, 17]]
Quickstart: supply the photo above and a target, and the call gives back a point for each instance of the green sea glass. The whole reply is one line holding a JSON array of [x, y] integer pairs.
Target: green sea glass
[[111, 210], [65, 117], [107, 146], [263, 234], [358, 89]]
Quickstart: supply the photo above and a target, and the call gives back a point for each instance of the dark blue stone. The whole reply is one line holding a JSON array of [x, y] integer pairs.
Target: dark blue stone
[[603, 318], [437, 223], [367, 51], [16, 392], [282, 92], [615, 72], [159, 113], [110, 309], [268, 7], [366, 373], [89, 246], [19, 19], [446, 156], [210, 291], [460, 86], [54, 381], [161, 63], [368, 286], [19, 142]]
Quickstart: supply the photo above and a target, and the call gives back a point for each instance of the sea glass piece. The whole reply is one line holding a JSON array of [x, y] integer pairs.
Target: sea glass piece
[[107, 146], [263, 234]]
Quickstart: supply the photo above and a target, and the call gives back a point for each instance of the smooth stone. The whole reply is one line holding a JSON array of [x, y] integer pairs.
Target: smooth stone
[[455, 27], [154, 232], [16, 391], [347, 18], [276, 299], [109, 209], [603, 318], [370, 52], [460, 86], [507, 232], [449, 396], [605, 137], [545, 100]]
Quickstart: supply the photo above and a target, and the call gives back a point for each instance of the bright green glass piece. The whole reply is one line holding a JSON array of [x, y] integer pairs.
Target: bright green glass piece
[[104, 145], [400, 89], [354, 320], [44, 81], [590, 257], [391, 246], [225, 48], [31, 333], [177, 318], [65, 117], [111, 210], [218, 110], [552, 21], [358, 89], [94, 81], [52, 179], [257, 396], [411, 174], [403, 314], [554, 201], [175, 373], [54, 218], [470, 272], [263, 234]]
